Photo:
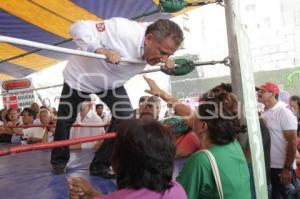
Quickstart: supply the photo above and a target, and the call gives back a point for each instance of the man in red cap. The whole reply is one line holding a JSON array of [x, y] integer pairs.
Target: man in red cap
[[282, 125], [269, 86]]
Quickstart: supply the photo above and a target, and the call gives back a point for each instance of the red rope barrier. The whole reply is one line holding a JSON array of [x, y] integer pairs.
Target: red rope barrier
[[52, 126], [56, 144]]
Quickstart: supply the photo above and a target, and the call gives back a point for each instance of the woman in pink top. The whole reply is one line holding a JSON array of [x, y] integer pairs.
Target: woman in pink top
[[143, 160]]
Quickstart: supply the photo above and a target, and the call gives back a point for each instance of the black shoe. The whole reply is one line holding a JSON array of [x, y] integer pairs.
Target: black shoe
[[104, 172], [59, 169]]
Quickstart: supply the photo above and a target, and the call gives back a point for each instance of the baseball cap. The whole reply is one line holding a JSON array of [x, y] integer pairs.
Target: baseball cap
[[176, 124], [270, 87]]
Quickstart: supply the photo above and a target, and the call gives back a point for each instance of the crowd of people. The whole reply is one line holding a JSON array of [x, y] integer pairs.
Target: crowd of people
[[201, 129], [143, 153], [27, 126], [36, 124], [186, 132], [218, 135]]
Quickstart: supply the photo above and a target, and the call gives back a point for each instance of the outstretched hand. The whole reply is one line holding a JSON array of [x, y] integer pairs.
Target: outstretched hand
[[153, 88]]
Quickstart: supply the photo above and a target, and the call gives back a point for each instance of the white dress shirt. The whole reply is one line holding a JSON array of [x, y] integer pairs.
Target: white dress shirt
[[93, 75], [90, 119], [106, 117]]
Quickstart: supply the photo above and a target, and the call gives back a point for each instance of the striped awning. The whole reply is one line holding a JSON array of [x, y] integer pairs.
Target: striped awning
[[48, 21]]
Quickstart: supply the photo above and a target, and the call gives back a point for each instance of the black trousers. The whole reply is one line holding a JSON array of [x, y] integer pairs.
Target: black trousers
[[118, 102], [278, 189]]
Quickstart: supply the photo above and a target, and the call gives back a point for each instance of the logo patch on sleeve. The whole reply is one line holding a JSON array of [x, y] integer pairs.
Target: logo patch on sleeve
[[100, 27]]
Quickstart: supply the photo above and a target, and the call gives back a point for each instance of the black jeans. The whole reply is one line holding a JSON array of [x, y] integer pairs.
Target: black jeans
[[118, 102], [278, 189]]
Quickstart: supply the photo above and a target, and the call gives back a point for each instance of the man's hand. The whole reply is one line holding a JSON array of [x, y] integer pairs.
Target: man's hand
[[2, 129], [170, 64], [111, 56], [285, 177], [33, 140], [8, 128], [79, 188]]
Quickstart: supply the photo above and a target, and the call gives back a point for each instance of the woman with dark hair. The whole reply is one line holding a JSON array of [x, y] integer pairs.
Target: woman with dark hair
[[216, 123], [143, 160]]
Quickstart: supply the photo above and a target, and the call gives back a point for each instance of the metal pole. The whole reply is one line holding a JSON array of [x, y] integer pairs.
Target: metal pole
[[235, 70], [196, 64], [242, 79]]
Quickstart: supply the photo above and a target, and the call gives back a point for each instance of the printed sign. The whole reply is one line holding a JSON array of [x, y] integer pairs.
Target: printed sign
[[16, 95]]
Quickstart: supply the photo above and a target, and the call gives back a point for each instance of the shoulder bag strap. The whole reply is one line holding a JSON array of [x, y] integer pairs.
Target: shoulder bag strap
[[216, 173]]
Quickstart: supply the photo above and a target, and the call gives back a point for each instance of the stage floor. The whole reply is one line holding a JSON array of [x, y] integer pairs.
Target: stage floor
[[28, 175]]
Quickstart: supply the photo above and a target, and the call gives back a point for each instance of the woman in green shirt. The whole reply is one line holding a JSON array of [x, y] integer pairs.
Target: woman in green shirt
[[216, 123]]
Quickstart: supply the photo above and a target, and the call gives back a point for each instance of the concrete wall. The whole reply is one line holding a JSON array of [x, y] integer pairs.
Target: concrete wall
[[193, 86], [273, 28]]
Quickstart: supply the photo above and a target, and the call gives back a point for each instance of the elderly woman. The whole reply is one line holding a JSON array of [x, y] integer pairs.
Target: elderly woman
[[216, 124], [143, 160]]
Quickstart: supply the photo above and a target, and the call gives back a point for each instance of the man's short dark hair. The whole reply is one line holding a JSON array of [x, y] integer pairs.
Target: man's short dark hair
[[143, 155], [29, 111], [164, 28], [99, 106]]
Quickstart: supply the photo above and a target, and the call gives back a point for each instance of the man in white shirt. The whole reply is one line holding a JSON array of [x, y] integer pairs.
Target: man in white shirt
[[282, 125], [115, 38], [28, 116], [87, 117], [104, 116]]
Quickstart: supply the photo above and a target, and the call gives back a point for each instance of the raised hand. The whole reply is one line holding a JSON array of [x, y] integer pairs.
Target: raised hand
[[154, 89]]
